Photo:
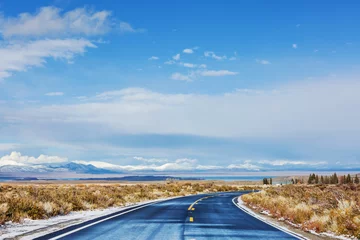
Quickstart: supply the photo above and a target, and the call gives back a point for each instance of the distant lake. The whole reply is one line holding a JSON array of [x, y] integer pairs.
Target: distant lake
[[235, 178]]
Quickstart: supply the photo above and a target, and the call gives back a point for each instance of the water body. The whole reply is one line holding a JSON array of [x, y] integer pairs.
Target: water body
[[235, 178]]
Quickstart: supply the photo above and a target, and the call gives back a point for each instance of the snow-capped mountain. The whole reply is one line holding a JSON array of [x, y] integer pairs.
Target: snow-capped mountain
[[65, 167], [19, 169]]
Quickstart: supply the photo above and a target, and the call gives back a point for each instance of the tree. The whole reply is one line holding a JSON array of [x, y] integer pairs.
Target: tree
[[348, 179], [322, 179], [316, 179], [356, 180], [326, 180], [335, 179], [309, 179], [270, 181], [265, 181]]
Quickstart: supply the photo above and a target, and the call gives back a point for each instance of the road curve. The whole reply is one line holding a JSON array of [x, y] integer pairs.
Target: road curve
[[211, 216]]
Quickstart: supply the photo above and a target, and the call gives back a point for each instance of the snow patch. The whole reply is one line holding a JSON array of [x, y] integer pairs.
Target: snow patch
[[266, 212]]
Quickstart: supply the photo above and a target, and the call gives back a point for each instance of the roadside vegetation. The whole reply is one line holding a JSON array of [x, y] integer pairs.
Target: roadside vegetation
[[330, 208], [41, 201]]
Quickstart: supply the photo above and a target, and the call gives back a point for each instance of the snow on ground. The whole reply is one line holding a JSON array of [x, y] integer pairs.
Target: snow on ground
[[30, 229], [266, 212]]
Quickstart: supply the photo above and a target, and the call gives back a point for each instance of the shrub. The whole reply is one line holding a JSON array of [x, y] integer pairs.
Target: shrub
[[321, 208], [41, 201]]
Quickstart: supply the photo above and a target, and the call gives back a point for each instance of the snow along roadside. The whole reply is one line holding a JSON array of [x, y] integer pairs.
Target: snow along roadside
[[311, 235], [30, 229]]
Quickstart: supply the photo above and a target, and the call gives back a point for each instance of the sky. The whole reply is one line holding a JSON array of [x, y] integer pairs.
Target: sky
[[181, 85]]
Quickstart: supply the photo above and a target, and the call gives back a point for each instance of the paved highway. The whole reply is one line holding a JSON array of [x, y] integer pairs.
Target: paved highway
[[191, 218]]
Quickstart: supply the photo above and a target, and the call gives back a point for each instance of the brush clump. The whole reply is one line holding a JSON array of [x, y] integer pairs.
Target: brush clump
[[41, 201], [320, 208]]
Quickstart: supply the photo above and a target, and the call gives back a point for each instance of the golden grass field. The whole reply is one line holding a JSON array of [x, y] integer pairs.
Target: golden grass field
[[44, 200], [321, 208]]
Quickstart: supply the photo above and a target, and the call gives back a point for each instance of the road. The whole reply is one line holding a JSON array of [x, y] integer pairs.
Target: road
[[212, 216]]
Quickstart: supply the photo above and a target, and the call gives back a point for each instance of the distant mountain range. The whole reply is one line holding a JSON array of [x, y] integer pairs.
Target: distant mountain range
[[67, 167]]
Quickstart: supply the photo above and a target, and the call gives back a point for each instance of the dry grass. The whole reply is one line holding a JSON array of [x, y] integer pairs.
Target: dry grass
[[321, 208], [41, 201]]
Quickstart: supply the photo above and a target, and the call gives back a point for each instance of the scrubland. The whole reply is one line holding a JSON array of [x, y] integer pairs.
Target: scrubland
[[320, 208], [41, 201]]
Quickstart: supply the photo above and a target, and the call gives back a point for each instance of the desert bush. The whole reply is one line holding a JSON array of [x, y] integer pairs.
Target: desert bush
[[41, 201], [321, 208]]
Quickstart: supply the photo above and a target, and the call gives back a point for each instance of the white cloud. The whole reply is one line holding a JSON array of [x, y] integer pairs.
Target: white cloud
[[153, 58], [127, 28], [214, 56], [51, 21], [52, 94], [153, 164], [151, 160], [188, 51], [176, 57], [15, 158], [189, 65], [295, 46], [262, 61], [219, 73], [170, 62], [303, 115], [183, 164], [22, 56], [181, 77], [138, 94], [246, 165], [289, 162]]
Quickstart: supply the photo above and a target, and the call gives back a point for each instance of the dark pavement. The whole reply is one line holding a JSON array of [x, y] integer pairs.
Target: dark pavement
[[212, 217]]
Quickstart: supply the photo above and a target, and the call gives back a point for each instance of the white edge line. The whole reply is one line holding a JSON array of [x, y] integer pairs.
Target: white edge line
[[105, 219], [283, 229]]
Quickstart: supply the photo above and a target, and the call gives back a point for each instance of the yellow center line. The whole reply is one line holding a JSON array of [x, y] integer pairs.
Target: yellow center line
[[191, 219], [196, 202]]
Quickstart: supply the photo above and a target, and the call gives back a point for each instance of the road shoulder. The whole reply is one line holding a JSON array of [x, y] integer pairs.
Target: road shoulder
[[278, 224]]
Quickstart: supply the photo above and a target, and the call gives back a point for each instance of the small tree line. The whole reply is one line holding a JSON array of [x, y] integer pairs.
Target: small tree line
[[332, 179], [267, 181]]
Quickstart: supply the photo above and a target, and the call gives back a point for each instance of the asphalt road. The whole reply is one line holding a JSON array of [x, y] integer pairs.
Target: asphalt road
[[211, 217]]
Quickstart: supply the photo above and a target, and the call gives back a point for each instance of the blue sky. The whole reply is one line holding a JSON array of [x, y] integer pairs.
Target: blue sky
[[247, 85]]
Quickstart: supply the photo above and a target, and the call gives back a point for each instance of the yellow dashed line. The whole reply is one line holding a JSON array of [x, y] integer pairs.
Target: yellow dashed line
[[196, 202], [191, 208]]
